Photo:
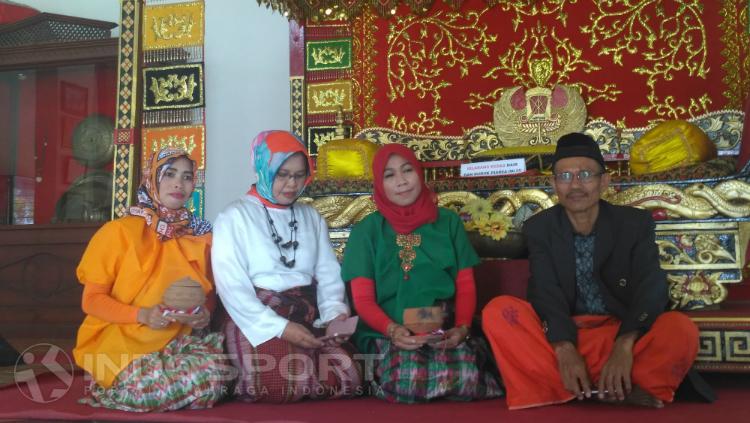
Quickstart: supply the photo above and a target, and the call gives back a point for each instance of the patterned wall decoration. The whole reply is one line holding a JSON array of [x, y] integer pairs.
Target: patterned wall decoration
[[635, 62], [126, 107], [173, 94]]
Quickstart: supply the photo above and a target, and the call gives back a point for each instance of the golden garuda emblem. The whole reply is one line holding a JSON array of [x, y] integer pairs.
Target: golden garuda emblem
[[539, 115]]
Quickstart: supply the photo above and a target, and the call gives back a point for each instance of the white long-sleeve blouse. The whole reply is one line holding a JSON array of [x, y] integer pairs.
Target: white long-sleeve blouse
[[244, 256]]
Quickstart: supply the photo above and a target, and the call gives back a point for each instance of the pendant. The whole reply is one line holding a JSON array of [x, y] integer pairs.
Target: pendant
[[407, 242]]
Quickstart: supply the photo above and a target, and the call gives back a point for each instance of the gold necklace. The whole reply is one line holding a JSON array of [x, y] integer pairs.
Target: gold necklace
[[407, 242]]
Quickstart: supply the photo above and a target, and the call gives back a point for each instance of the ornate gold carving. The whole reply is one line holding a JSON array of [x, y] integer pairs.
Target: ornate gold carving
[[342, 211], [535, 8], [329, 97], [328, 55], [173, 88], [539, 122], [172, 26], [637, 26], [710, 250], [535, 51], [696, 290], [413, 62], [698, 201], [736, 51], [186, 143]]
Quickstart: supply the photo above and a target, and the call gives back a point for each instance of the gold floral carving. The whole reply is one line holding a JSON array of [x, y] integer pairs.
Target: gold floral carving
[[172, 26], [668, 43], [708, 251], [328, 55], [541, 44], [698, 201], [735, 38], [415, 63], [329, 97], [173, 88], [535, 8], [695, 290]]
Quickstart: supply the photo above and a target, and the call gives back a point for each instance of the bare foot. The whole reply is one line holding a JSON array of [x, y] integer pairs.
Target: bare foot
[[638, 397]]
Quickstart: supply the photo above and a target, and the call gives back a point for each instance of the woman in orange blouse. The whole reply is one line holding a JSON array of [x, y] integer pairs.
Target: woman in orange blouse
[[140, 357]]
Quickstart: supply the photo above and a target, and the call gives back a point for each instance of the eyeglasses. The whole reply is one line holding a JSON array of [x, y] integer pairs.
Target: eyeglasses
[[583, 176], [295, 177]]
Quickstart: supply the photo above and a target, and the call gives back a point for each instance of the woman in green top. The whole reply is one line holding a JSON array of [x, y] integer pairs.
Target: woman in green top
[[406, 255]]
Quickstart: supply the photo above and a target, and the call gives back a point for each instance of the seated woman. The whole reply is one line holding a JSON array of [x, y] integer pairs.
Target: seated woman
[[140, 357], [408, 254], [279, 281]]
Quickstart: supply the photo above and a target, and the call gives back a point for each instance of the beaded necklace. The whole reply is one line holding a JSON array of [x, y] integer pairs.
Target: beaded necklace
[[276, 238]]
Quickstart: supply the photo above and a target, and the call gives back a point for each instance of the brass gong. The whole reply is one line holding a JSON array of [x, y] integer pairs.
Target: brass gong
[[92, 141]]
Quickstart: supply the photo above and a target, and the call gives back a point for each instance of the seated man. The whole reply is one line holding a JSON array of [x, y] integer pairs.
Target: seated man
[[593, 326]]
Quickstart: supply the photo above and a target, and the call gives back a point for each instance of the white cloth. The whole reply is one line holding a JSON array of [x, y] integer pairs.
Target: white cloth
[[243, 256]]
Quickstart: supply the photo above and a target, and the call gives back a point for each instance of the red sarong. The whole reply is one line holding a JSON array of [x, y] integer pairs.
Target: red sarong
[[528, 365]]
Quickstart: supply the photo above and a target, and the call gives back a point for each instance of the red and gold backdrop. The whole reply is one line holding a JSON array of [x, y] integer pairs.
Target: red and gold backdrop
[[636, 62]]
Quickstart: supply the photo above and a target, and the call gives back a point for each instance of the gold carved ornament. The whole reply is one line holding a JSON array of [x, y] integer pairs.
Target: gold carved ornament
[[416, 62], [173, 88], [530, 117], [328, 55], [172, 26]]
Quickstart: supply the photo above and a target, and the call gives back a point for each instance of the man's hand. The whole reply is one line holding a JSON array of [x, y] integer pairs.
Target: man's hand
[[572, 368], [298, 335], [614, 381]]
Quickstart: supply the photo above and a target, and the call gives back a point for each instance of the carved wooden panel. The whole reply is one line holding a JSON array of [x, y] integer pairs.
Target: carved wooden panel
[[40, 297]]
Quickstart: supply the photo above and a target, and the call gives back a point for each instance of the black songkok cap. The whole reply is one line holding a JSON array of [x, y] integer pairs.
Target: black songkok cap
[[576, 144]]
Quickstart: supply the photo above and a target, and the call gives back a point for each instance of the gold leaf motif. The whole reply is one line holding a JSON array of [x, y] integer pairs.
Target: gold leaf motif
[[172, 26], [173, 88], [416, 62], [328, 55], [736, 41], [631, 27], [535, 8], [329, 98], [185, 143]]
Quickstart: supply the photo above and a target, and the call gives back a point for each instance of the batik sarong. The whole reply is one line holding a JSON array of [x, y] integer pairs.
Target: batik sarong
[[460, 374], [277, 371], [190, 372]]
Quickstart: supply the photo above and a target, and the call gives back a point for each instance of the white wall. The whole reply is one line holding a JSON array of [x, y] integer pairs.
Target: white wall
[[247, 91]]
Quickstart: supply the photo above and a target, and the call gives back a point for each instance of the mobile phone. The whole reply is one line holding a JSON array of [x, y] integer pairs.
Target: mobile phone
[[340, 328]]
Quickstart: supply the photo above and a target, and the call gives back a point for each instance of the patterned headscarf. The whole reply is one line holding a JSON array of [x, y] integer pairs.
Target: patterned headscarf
[[269, 150], [403, 219], [167, 223]]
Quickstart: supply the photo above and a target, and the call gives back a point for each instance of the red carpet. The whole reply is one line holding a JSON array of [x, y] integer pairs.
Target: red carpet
[[733, 405]]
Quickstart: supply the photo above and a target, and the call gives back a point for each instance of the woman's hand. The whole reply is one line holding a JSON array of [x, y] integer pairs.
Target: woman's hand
[[299, 335], [403, 339], [196, 321], [453, 337], [338, 340], [153, 318]]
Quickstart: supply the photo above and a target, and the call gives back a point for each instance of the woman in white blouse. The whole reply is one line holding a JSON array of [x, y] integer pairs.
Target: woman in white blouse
[[279, 281]]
